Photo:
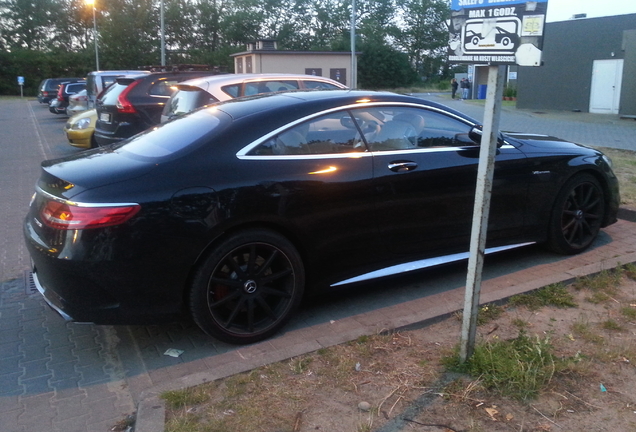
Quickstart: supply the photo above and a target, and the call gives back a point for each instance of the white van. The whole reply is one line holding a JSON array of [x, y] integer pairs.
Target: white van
[[97, 81]]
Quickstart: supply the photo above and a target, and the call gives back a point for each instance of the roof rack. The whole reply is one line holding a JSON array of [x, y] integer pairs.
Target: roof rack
[[180, 68]]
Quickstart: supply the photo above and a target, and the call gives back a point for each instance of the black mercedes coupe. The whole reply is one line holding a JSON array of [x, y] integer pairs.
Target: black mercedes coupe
[[232, 213]]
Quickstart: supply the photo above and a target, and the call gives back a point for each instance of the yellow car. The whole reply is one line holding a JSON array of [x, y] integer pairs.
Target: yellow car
[[80, 128]]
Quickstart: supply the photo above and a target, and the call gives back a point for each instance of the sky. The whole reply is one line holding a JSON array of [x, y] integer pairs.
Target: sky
[[561, 10]]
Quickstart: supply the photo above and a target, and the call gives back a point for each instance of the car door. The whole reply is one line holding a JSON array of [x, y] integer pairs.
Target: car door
[[323, 186], [425, 170]]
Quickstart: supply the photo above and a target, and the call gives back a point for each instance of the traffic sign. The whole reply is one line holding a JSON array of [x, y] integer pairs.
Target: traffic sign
[[20, 80], [497, 32]]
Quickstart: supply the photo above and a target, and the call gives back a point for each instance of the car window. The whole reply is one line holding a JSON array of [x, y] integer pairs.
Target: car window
[[162, 88], [185, 100], [110, 95], [333, 133], [74, 88], [232, 90], [319, 85], [403, 128], [253, 88]]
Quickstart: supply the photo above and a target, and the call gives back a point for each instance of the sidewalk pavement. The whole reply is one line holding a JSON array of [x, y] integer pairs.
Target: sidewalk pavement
[[615, 247]]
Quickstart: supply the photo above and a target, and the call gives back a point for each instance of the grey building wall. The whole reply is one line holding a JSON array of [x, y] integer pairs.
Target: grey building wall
[[628, 88], [569, 50]]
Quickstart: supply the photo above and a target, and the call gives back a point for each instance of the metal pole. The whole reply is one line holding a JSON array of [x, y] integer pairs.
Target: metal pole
[[353, 82], [163, 38], [485, 174], [95, 36]]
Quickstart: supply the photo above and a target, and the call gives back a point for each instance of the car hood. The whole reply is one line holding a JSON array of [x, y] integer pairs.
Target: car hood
[[541, 141], [95, 168]]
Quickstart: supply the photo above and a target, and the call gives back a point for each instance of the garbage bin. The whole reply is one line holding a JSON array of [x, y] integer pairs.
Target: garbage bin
[[481, 92]]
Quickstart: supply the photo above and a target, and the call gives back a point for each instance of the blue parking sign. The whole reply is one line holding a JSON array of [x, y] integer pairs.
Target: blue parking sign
[[20, 80]]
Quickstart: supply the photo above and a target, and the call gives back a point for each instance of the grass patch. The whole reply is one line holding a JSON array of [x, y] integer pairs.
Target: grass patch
[[610, 324], [488, 313], [518, 368], [629, 312], [624, 166], [183, 398], [551, 295], [583, 330]]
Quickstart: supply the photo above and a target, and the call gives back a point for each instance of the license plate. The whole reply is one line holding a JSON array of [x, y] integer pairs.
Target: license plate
[[105, 117]]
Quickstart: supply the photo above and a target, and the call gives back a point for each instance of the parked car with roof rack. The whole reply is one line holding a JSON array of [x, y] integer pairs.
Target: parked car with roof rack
[[197, 93], [135, 102]]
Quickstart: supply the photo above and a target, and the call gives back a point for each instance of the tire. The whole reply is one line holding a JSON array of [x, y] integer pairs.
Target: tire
[[577, 215], [248, 287]]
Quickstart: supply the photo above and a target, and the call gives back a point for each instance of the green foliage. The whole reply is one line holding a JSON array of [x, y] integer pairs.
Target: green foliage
[[519, 368], [381, 66], [551, 295], [402, 41]]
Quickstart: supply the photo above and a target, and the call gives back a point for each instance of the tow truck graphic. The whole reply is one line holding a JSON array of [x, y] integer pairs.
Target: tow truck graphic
[[499, 36]]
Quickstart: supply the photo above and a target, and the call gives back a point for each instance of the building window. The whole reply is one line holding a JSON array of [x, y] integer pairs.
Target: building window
[[339, 75], [248, 64], [313, 71], [239, 65]]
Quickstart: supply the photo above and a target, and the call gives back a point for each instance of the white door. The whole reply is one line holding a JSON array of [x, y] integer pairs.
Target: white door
[[607, 76]]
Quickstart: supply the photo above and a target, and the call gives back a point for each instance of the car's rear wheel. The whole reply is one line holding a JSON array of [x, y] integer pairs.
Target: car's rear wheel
[[577, 215], [248, 287]]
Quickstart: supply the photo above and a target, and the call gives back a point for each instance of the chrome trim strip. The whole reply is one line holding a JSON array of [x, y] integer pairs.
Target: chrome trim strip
[[48, 195], [357, 155], [41, 289], [242, 154], [421, 264]]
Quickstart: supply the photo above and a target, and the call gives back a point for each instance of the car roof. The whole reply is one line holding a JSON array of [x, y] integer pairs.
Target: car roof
[[233, 78], [311, 101]]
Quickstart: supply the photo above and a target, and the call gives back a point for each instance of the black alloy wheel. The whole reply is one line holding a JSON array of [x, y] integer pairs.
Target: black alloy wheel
[[248, 287], [577, 215]]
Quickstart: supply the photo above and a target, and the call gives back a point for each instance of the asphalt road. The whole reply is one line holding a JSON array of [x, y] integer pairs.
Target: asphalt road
[[58, 376]]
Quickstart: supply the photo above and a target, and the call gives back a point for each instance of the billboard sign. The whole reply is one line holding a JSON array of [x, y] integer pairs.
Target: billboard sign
[[497, 32]]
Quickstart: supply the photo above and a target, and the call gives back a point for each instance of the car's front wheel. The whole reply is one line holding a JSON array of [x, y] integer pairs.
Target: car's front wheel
[[248, 287], [577, 215]]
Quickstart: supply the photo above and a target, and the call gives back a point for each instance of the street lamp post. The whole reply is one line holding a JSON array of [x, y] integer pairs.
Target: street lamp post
[[92, 3]]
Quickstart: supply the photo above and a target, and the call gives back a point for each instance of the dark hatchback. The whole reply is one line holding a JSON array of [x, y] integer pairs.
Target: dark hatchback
[[66, 90], [229, 213], [49, 87], [135, 103]]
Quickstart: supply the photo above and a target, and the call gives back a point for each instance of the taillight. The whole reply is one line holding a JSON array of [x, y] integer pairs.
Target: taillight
[[123, 104], [60, 93], [66, 216]]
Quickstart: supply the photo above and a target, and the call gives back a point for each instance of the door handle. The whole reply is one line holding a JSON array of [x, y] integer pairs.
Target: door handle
[[402, 166]]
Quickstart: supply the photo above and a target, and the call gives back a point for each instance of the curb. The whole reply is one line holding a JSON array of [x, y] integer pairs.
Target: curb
[[417, 314]]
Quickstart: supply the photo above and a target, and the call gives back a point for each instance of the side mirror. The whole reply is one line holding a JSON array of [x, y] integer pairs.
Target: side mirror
[[476, 133]]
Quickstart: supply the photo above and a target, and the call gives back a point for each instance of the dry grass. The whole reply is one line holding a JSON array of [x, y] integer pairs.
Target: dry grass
[[590, 343], [625, 169]]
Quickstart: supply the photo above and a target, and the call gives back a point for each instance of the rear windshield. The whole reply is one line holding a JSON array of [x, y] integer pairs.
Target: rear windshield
[[185, 100], [110, 95], [169, 138], [74, 88]]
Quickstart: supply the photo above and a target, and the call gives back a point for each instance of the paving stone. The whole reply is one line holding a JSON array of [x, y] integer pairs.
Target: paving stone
[[37, 385], [35, 368], [65, 371]]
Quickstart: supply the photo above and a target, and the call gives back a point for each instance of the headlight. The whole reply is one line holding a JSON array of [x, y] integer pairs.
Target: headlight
[[608, 161], [81, 124]]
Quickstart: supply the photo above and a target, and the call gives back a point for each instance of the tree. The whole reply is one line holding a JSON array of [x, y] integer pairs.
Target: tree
[[381, 66], [424, 34]]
